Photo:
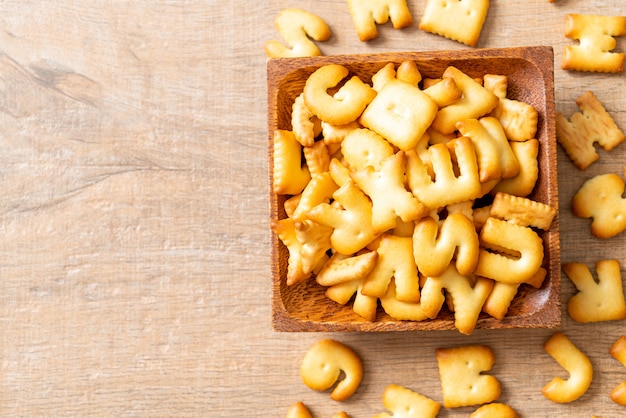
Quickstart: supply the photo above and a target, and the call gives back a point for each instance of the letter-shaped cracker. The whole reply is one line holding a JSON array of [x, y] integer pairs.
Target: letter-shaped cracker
[[363, 305], [400, 113], [407, 72], [362, 148], [434, 247], [353, 223], [447, 188], [495, 410], [577, 365], [618, 351], [518, 119], [592, 124], [523, 184], [367, 13], [304, 124], [522, 211], [298, 410], [596, 301], [495, 156], [342, 268], [320, 189], [509, 238], [400, 310], [289, 175], [405, 403], [600, 198], [475, 103], [460, 20], [286, 231], [348, 102], [315, 240], [467, 300], [395, 260], [595, 34], [390, 198], [324, 363], [296, 26], [461, 373]]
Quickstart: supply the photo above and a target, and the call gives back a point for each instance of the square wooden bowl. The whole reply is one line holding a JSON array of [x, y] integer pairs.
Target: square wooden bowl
[[530, 72]]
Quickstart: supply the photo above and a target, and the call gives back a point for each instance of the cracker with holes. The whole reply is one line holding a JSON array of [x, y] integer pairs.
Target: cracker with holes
[[459, 20], [463, 381], [403, 402], [575, 362], [593, 124], [618, 352], [401, 113], [600, 198], [601, 300], [366, 14], [595, 34], [298, 27]]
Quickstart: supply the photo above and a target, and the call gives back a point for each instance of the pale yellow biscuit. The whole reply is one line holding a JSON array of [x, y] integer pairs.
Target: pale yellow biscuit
[[475, 103], [342, 268], [315, 240], [363, 305], [395, 260], [352, 223], [575, 362], [593, 124], [460, 20], [401, 310], [496, 159], [400, 113], [346, 105], [305, 125], [600, 198], [366, 14], [463, 381], [523, 184], [286, 231], [434, 246], [405, 403], [505, 238], [317, 158], [448, 187], [325, 362], [495, 410], [596, 41], [320, 189], [522, 211], [390, 198], [618, 351], [296, 26], [363, 148], [601, 300]]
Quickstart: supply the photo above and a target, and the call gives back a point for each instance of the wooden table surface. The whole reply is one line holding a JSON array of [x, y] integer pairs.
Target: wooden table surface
[[134, 237]]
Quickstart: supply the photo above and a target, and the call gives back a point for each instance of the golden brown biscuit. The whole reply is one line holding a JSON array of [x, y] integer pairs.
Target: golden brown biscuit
[[461, 21], [463, 381], [596, 35], [405, 403], [618, 351], [325, 362], [296, 27], [577, 365], [367, 13]]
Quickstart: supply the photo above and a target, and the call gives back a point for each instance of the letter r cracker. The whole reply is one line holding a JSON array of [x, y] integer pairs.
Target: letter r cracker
[[459, 20]]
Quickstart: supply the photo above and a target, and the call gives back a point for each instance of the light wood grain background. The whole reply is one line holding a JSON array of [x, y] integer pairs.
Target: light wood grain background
[[134, 238]]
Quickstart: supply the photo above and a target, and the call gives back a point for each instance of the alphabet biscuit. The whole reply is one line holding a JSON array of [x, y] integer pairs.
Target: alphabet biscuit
[[460, 21], [296, 26], [405, 403], [366, 14], [618, 351]]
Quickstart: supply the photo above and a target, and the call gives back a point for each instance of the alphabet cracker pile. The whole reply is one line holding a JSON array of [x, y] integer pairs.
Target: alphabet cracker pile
[[383, 180]]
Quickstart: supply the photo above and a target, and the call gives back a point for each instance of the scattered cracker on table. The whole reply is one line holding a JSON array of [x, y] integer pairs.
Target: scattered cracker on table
[[596, 43], [325, 362], [601, 300], [461, 20], [366, 14], [495, 410], [405, 403], [296, 26], [575, 362], [600, 198], [463, 381], [618, 351], [592, 124]]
